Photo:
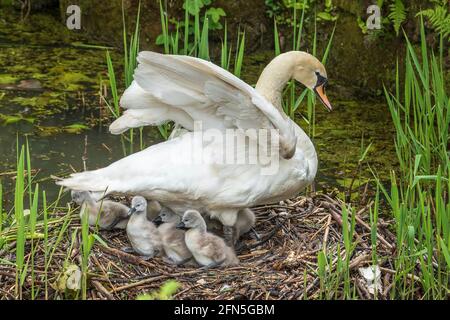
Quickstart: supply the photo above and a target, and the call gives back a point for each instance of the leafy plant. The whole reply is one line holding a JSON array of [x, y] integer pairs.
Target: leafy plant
[[362, 25], [273, 8], [194, 6], [185, 29], [327, 14], [281, 10], [439, 18], [397, 14], [214, 15]]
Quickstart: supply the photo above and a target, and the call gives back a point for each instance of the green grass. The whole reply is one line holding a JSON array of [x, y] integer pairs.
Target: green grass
[[38, 235], [418, 197]]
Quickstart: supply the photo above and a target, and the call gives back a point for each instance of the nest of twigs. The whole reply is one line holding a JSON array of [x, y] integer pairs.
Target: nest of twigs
[[281, 264]]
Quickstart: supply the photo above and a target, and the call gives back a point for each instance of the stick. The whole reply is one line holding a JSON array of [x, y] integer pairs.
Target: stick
[[84, 157], [102, 289], [327, 231]]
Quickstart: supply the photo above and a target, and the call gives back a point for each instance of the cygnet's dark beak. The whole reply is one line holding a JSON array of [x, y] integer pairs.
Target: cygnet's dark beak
[[158, 220], [181, 226], [132, 210]]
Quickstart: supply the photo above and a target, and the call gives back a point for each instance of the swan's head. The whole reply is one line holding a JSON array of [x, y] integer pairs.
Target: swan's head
[[311, 73], [191, 219], [167, 216], [79, 196], [138, 204]]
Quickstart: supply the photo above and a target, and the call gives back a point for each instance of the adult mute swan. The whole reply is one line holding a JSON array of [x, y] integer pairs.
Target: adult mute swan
[[190, 91]]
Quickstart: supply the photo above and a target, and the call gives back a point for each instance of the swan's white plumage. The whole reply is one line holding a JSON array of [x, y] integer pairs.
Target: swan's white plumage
[[186, 89], [159, 173]]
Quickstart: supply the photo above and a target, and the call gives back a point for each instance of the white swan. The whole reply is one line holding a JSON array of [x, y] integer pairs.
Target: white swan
[[186, 89]]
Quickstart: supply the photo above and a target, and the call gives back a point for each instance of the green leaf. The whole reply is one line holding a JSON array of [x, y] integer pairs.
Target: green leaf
[[215, 13], [325, 16], [160, 40], [194, 6], [445, 252], [11, 119], [100, 240], [363, 156], [75, 128]]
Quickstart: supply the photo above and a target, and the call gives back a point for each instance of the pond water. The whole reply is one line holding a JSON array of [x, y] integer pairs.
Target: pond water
[[58, 108]]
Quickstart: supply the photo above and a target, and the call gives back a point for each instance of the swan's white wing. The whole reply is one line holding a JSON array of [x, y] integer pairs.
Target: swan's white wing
[[186, 89]]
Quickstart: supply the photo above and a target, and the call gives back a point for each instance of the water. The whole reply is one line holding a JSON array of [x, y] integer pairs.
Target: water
[[58, 118]]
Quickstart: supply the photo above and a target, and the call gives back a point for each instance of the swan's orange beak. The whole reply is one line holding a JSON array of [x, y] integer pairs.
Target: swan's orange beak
[[320, 91]]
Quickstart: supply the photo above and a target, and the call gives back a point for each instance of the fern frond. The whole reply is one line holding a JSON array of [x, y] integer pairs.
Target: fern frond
[[439, 19], [397, 14]]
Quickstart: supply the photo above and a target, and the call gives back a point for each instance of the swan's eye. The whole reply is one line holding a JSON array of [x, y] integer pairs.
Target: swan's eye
[[321, 80]]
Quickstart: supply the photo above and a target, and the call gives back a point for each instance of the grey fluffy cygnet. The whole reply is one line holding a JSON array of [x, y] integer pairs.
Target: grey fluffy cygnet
[[208, 250], [245, 222], [153, 209], [142, 233], [106, 214], [172, 238]]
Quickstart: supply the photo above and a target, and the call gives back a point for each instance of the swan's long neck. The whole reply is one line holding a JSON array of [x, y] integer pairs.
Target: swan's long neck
[[274, 78], [271, 83]]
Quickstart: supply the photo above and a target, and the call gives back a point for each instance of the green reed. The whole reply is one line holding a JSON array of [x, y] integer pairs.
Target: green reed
[[29, 230], [419, 193]]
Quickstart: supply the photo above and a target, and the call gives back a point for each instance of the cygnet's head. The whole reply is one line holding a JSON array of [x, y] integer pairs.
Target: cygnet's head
[[192, 219], [167, 216], [80, 196], [138, 205]]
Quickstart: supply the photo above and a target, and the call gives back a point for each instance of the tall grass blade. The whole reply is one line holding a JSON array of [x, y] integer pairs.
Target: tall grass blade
[[20, 221], [239, 55], [276, 38], [204, 41]]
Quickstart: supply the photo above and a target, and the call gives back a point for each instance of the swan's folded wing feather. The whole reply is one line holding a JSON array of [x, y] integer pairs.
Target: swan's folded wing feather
[[175, 87]]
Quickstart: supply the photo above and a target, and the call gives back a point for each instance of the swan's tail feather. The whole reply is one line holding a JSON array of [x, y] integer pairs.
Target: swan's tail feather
[[85, 181], [138, 113], [135, 118]]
